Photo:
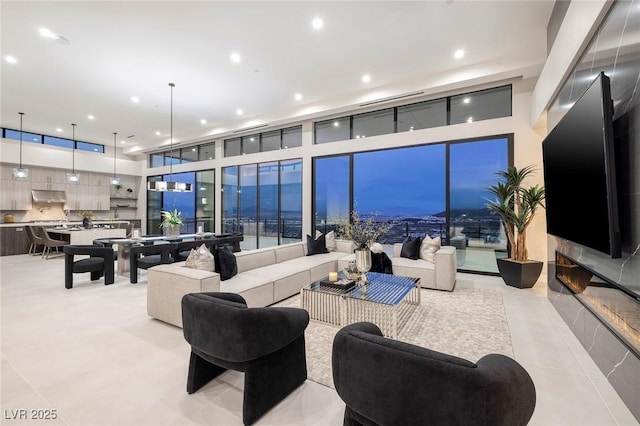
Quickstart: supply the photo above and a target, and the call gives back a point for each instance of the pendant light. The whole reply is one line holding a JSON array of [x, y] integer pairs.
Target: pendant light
[[73, 176], [169, 185], [20, 173], [115, 180]]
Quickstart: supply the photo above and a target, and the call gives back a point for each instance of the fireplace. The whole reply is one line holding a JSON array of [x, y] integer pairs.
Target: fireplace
[[615, 307]]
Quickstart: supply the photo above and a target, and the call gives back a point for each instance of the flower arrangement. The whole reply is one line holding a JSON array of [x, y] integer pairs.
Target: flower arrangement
[[171, 219], [86, 214], [364, 232]]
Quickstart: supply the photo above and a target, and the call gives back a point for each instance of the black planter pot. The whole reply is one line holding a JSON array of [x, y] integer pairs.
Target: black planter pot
[[519, 274]]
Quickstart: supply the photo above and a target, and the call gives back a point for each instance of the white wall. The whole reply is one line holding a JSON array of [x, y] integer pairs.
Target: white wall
[[58, 157]]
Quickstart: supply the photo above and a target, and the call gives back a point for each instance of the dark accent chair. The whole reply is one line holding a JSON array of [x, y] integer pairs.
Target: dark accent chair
[[147, 256], [99, 263], [387, 382], [34, 239], [267, 344]]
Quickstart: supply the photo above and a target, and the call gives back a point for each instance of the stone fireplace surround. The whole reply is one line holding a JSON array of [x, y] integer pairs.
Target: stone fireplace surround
[[606, 320]]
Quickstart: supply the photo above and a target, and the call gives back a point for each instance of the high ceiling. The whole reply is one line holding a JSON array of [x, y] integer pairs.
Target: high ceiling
[[107, 52]]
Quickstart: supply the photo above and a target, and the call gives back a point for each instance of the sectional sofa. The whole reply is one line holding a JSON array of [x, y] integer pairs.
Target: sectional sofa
[[269, 275]]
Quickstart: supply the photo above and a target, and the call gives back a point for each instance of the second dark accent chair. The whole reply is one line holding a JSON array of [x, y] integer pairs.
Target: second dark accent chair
[[99, 263], [267, 344], [388, 382], [145, 257]]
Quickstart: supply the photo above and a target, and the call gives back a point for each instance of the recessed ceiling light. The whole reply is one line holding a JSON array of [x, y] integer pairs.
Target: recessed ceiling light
[[203, 121], [235, 58], [45, 32], [157, 133], [470, 120], [135, 99], [90, 117], [336, 124], [298, 96], [466, 100], [239, 111], [458, 54], [10, 59], [366, 78], [58, 129], [317, 23], [122, 142], [193, 149], [252, 139]]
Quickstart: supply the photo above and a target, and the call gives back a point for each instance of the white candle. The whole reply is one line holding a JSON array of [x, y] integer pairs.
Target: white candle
[[333, 276]]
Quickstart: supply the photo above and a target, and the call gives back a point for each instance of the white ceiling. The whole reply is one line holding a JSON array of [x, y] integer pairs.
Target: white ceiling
[[120, 49]]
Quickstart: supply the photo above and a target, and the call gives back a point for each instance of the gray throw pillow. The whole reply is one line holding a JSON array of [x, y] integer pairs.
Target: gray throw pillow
[[201, 259]]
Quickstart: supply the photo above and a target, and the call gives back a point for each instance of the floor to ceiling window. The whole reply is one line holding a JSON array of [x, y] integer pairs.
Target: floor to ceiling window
[[230, 200], [196, 207], [263, 202], [205, 204], [405, 186], [331, 188], [476, 233], [437, 189], [290, 201]]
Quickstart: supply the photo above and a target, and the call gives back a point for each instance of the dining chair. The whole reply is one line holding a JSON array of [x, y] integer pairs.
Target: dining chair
[[35, 240], [51, 243]]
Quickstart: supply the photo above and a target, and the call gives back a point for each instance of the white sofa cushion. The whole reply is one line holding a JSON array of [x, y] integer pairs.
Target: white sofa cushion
[[256, 289], [289, 251], [252, 259]]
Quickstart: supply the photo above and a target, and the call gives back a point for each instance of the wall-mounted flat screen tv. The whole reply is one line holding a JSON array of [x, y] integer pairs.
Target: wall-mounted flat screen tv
[[580, 173]]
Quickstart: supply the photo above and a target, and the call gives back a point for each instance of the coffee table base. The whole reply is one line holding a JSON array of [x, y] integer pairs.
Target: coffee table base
[[333, 308]]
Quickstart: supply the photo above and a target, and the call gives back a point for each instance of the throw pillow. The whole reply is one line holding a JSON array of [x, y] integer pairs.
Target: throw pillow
[[380, 262], [345, 246], [200, 259], [190, 262], [411, 248], [429, 247], [331, 241], [316, 245], [226, 264]]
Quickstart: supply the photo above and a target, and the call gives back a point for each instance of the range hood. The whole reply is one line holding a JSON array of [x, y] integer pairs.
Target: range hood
[[42, 196]]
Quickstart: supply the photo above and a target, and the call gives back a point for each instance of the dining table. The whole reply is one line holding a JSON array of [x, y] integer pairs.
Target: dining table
[[124, 244]]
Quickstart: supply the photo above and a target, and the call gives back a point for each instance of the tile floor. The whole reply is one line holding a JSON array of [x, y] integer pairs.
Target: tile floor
[[93, 355]]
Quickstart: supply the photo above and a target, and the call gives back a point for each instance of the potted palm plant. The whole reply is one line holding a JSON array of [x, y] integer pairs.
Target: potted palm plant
[[516, 205], [171, 222]]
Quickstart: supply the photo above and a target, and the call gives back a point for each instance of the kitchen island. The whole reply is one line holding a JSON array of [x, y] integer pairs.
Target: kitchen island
[[14, 239], [81, 236]]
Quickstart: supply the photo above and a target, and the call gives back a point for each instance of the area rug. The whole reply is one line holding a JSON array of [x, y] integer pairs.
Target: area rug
[[468, 323]]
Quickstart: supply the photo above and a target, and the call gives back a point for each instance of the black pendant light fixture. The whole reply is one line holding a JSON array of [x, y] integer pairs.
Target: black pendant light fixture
[[115, 180], [170, 185], [20, 173], [73, 176]]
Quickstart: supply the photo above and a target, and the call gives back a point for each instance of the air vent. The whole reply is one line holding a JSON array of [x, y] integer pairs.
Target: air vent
[[394, 98], [251, 128]]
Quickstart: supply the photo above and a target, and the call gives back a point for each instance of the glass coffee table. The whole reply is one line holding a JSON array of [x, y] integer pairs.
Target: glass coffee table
[[387, 301]]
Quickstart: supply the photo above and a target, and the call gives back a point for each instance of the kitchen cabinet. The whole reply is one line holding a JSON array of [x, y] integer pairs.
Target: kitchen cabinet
[[16, 195], [47, 186], [98, 179], [86, 197], [48, 179], [48, 175], [13, 240]]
